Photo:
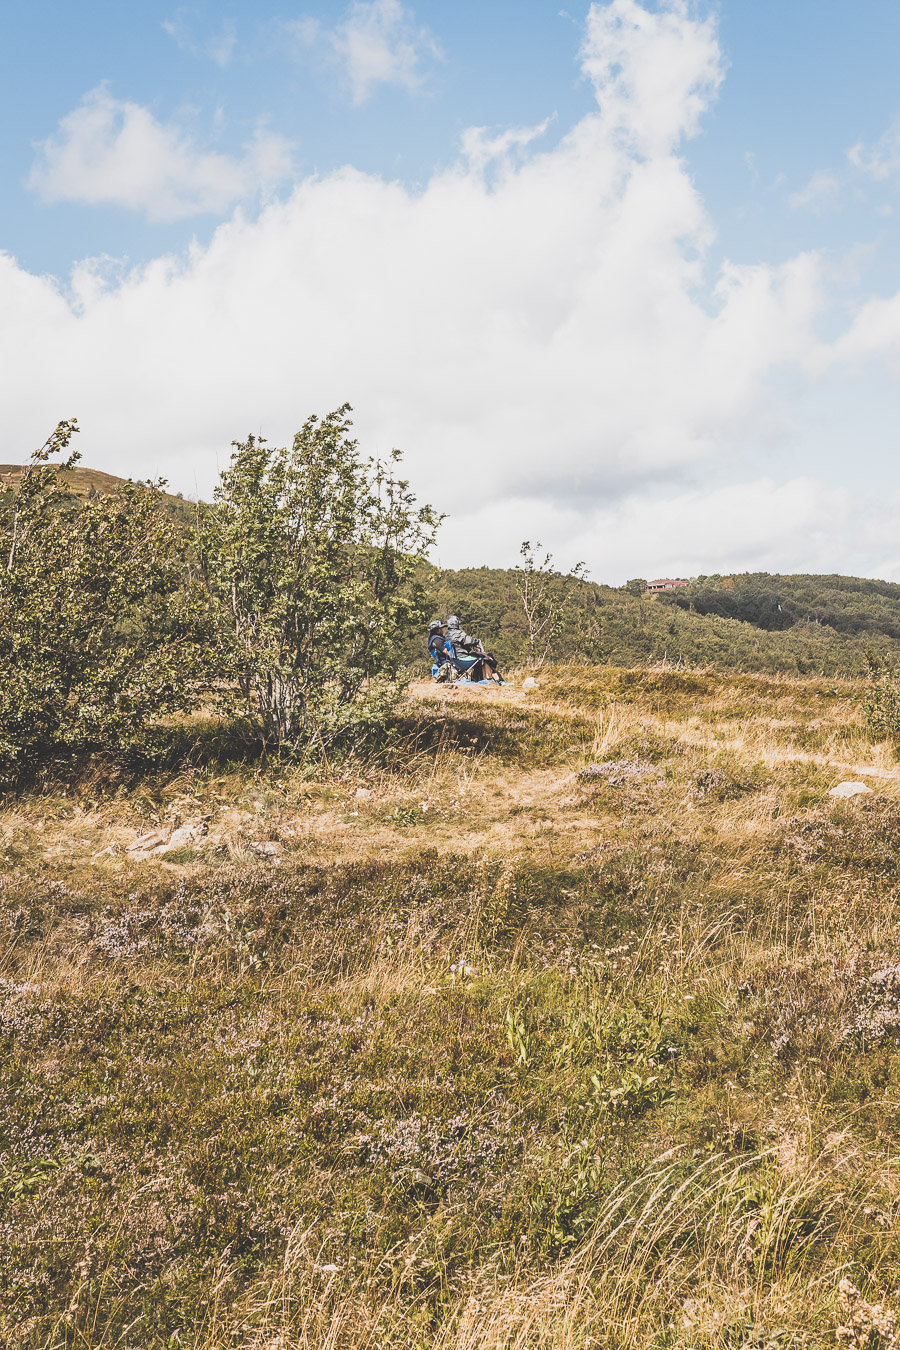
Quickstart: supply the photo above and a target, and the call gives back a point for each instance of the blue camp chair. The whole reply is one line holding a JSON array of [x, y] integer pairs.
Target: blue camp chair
[[443, 655]]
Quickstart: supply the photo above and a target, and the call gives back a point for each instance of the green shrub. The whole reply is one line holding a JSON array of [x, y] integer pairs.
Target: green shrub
[[882, 700], [312, 553], [102, 627]]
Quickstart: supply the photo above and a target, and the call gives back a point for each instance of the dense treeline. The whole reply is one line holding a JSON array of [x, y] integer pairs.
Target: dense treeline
[[849, 605]]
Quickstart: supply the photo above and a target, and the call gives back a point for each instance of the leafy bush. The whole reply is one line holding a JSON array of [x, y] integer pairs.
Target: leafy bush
[[102, 628], [882, 700], [312, 553], [548, 598]]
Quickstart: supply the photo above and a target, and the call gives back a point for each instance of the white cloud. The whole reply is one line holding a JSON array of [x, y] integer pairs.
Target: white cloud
[[654, 71], [820, 194], [881, 160], [377, 43], [110, 152], [544, 344], [482, 149], [751, 525], [879, 163], [219, 47]]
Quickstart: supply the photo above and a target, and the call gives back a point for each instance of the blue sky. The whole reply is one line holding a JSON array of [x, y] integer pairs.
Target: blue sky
[[621, 276], [805, 81]]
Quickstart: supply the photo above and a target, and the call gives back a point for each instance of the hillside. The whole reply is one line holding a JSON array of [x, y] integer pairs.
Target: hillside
[[83, 481], [569, 1019], [807, 625], [848, 605], [825, 625]]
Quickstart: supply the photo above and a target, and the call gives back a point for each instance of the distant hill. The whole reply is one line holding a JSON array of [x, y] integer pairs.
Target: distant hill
[[849, 605], [84, 481], [803, 624]]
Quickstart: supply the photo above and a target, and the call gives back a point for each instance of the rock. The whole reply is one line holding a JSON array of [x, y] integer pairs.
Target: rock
[[530, 683], [187, 834], [362, 793], [849, 790], [155, 839], [266, 848], [166, 839]]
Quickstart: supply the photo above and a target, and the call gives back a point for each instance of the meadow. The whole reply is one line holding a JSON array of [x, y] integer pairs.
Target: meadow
[[560, 1019]]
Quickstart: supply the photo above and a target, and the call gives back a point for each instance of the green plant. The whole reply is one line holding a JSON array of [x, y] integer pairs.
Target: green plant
[[881, 703], [408, 815], [102, 625], [575, 1202], [546, 597], [520, 1039], [312, 553], [638, 1090], [26, 1180]]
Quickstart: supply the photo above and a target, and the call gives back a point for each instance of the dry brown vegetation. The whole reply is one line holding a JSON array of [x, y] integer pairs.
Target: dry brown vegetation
[[83, 481], [565, 1020]]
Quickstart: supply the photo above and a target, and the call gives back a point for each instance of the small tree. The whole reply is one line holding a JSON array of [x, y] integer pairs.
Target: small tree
[[881, 703], [101, 624], [547, 597], [312, 552], [37, 493]]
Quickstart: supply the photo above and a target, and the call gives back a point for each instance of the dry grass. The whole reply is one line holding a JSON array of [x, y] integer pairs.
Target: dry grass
[[471, 1047]]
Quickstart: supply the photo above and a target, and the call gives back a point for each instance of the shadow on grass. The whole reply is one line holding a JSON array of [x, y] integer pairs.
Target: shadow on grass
[[400, 744]]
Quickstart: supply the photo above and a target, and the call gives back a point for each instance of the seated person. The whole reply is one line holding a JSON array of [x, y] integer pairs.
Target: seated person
[[481, 665], [442, 654]]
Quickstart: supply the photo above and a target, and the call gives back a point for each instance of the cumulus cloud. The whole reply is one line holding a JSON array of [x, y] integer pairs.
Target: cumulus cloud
[[481, 148], [654, 71], [879, 163], [111, 152], [756, 524], [377, 43], [543, 342]]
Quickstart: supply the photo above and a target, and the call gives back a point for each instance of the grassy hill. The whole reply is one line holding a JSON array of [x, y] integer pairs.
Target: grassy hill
[[539, 1021], [825, 624], [847, 605], [84, 481], [570, 1019]]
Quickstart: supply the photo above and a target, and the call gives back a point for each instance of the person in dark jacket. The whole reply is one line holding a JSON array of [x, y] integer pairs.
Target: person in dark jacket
[[484, 666], [442, 654]]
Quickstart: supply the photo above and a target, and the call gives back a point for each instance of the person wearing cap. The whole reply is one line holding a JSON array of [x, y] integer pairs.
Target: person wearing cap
[[481, 665]]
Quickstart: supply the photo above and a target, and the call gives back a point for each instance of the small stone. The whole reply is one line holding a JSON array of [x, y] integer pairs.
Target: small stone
[[266, 848], [849, 790], [362, 793]]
